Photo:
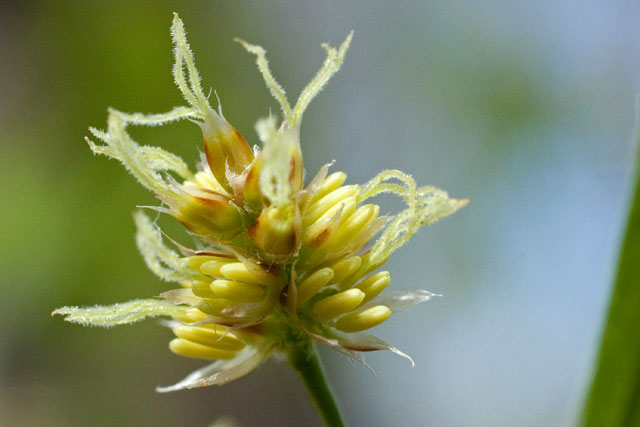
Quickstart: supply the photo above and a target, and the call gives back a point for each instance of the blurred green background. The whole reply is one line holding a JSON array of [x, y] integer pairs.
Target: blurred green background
[[524, 107]]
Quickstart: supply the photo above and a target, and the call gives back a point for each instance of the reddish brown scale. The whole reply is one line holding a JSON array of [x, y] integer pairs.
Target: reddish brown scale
[[216, 254], [319, 238]]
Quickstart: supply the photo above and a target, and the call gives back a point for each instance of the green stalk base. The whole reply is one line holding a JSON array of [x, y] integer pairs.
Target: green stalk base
[[304, 359]]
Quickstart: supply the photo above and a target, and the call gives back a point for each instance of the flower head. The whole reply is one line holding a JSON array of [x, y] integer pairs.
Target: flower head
[[283, 260]]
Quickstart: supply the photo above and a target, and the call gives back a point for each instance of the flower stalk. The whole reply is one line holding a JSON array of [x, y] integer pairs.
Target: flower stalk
[[303, 357]]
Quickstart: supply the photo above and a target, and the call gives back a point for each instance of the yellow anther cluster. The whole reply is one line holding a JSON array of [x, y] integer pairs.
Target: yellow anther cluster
[[337, 290], [331, 271], [225, 282]]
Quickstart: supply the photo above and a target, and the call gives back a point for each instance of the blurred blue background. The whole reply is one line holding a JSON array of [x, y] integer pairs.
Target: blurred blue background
[[524, 107]]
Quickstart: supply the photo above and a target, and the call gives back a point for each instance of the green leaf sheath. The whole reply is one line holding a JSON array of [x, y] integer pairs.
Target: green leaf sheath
[[614, 398], [304, 359]]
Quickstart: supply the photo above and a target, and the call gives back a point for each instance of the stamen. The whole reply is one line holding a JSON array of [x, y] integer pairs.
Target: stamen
[[315, 210], [196, 261], [312, 284], [186, 348], [191, 315], [202, 289], [237, 291], [216, 306], [216, 336], [374, 284], [354, 225], [338, 304], [317, 233], [207, 180], [238, 271], [345, 268], [330, 183], [212, 267], [365, 319]]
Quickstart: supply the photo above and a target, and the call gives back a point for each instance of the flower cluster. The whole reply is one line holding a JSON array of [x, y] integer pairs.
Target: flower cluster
[[283, 261]]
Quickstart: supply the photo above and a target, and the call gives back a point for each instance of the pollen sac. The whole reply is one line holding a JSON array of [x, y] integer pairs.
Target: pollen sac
[[208, 341], [213, 267], [330, 183], [330, 201], [255, 274], [343, 269], [313, 283], [355, 223], [192, 315], [226, 150], [202, 289], [338, 304], [374, 284], [276, 231], [319, 232], [365, 319], [236, 291], [215, 306]]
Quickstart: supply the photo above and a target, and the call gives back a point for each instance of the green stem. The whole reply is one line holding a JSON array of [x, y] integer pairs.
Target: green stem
[[304, 359], [614, 398]]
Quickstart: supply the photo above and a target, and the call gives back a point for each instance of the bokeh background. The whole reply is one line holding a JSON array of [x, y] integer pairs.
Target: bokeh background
[[524, 107]]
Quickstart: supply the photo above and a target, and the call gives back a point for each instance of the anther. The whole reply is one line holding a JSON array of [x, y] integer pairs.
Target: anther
[[312, 284], [190, 349], [374, 284], [236, 291], [364, 319], [338, 304]]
